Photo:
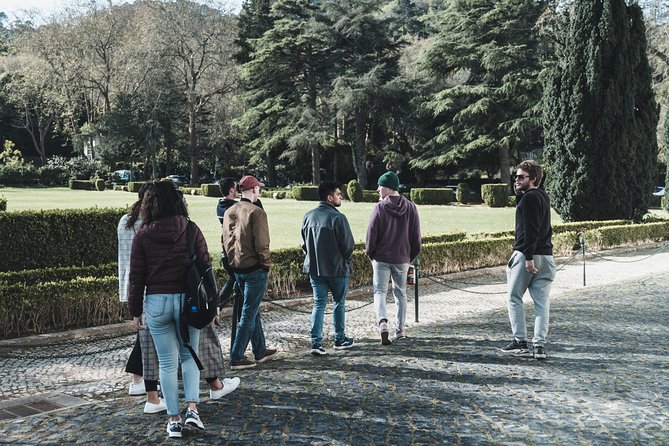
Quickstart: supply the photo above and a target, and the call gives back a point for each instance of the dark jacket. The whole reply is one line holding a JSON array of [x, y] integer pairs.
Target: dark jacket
[[393, 234], [223, 205], [158, 259], [533, 224], [245, 237], [327, 242]]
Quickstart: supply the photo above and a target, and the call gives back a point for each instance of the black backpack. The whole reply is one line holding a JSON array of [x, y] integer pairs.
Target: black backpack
[[201, 302]]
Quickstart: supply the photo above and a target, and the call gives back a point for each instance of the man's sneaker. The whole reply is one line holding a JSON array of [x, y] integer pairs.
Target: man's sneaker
[[343, 344], [399, 334], [539, 352], [318, 351], [137, 389], [192, 419], [150, 407], [516, 348], [270, 353], [229, 385], [242, 364], [383, 328], [174, 429]]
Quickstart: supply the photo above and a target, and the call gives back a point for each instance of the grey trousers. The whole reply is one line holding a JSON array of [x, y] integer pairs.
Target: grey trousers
[[539, 287], [383, 272]]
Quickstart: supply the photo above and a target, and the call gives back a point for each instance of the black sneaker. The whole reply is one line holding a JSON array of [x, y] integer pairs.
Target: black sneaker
[[343, 344], [192, 419], [539, 352], [516, 348], [174, 429], [318, 351]]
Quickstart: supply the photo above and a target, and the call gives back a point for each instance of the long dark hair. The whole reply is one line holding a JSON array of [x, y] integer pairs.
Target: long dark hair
[[136, 207], [161, 199]]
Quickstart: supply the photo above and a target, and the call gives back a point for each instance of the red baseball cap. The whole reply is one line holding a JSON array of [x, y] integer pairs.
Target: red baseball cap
[[249, 182]]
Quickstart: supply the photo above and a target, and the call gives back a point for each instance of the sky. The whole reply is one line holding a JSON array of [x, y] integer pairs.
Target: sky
[[16, 9]]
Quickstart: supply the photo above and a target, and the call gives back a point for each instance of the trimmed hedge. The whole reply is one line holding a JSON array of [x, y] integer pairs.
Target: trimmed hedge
[[33, 276], [211, 190], [73, 237], [3, 203], [354, 191], [462, 193], [495, 195], [370, 196], [99, 184], [610, 236], [83, 184], [305, 193], [54, 306], [134, 186], [431, 196]]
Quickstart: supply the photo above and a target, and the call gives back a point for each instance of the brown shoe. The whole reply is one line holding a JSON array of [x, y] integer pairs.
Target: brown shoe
[[242, 364], [270, 353]]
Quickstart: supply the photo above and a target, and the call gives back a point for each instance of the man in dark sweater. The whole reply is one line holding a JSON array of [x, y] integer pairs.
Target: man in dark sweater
[[531, 267], [393, 241]]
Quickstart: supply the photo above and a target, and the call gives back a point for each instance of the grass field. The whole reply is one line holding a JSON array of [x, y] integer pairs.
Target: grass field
[[285, 216]]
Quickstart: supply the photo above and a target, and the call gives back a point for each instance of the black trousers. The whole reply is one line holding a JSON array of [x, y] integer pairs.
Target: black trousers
[[135, 366]]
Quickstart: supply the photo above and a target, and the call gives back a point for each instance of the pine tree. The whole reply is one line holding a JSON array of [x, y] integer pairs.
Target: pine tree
[[600, 116], [485, 62]]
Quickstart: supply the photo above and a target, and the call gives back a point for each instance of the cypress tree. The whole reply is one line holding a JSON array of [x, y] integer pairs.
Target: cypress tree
[[600, 116]]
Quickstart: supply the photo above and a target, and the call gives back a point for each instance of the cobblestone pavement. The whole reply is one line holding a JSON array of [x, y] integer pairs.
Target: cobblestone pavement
[[606, 380]]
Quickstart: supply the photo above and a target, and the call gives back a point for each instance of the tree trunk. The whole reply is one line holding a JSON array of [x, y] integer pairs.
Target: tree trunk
[[504, 166], [316, 163], [271, 169], [359, 151], [192, 136]]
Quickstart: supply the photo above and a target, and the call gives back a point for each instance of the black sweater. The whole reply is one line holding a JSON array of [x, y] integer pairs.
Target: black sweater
[[533, 224]]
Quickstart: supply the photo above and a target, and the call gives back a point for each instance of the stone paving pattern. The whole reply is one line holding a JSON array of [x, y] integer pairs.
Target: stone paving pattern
[[606, 381]]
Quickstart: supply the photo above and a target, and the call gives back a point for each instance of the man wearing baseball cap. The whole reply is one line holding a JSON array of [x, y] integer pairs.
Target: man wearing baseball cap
[[245, 242]]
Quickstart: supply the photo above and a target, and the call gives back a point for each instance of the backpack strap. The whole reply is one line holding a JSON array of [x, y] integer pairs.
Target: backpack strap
[[183, 325]]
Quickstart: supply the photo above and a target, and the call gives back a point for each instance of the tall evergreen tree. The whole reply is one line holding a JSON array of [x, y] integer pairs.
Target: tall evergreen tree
[[485, 59], [254, 19], [600, 116]]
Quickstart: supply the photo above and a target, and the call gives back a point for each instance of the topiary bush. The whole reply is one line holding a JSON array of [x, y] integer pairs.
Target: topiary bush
[[462, 193], [211, 190], [49, 238], [495, 195], [3, 203], [305, 193], [134, 186], [431, 196], [99, 184], [370, 196], [354, 191], [82, 184]]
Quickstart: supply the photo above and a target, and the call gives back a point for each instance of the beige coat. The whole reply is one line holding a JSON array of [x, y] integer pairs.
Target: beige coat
[[245, 237]]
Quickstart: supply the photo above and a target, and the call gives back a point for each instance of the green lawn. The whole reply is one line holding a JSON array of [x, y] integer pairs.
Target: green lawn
[[285, 216]]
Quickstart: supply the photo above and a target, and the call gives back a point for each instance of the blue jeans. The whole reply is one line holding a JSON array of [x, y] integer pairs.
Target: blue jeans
[[321, 286], [382, 273], [162, 316], [539, 286], [249, 328]]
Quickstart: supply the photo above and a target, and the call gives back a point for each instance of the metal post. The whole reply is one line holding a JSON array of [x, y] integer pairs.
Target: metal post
[[416, 264]]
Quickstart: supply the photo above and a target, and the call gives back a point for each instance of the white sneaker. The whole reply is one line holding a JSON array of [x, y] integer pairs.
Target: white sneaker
[[137, 389], [192, 419], [229, 385], [150, 407], [174, 429]]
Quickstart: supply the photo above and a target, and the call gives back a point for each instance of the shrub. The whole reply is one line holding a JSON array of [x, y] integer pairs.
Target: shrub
[[56, 274], [431, 196], [3, 203], [462, 193], [354, 191], [495, 195], [82, 168], [305, 193], [134, 186], [190, 190], [370, 196], [279, 195], [52, 174], [211, 190], [99, 184], [18, 173], [82, 184], [42, 239]]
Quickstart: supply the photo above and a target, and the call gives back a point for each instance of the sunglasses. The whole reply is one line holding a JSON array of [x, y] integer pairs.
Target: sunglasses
[[520, 177]]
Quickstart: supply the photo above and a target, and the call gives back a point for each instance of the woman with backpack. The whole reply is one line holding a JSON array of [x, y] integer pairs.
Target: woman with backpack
[[159, 257]]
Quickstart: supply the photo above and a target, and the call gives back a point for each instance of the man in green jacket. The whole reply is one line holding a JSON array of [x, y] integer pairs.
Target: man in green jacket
[[328, 246]]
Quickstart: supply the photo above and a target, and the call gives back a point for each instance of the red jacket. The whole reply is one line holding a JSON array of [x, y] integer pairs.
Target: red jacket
[[158, 259]]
